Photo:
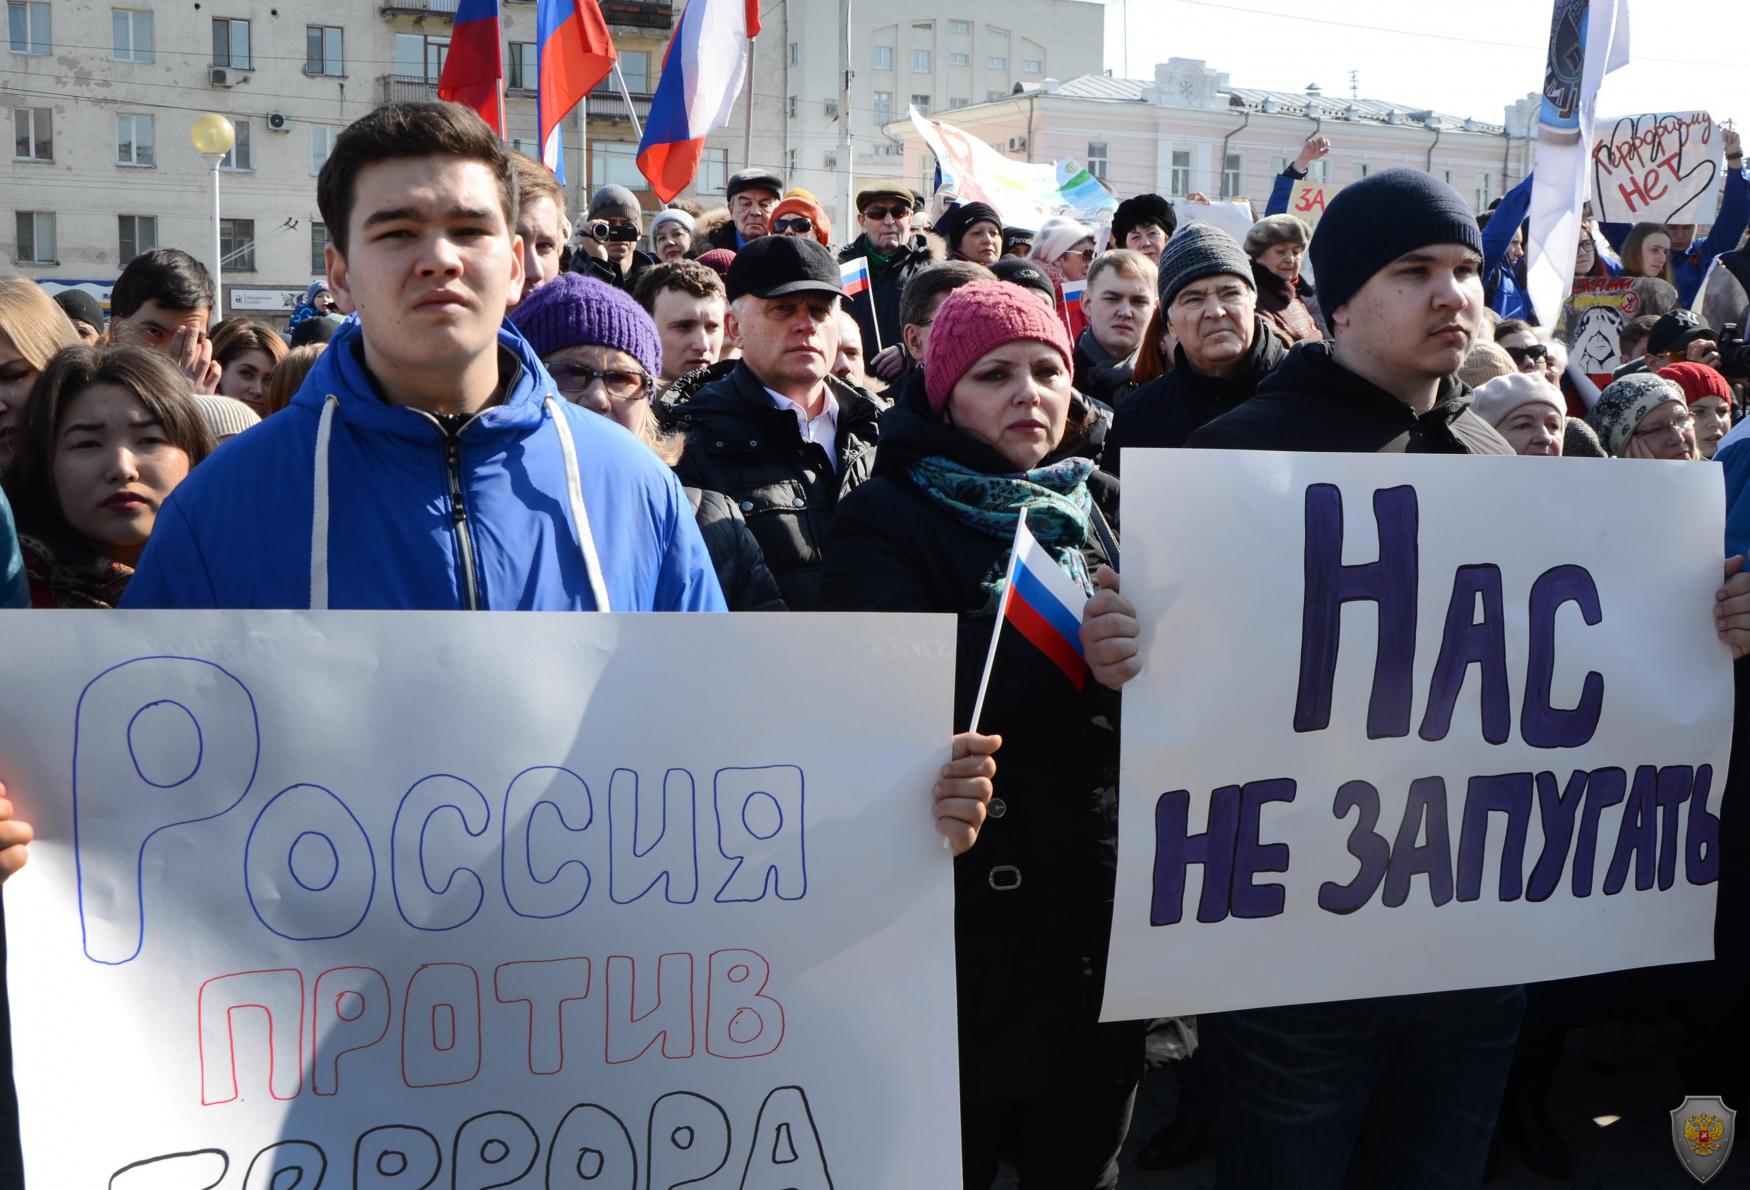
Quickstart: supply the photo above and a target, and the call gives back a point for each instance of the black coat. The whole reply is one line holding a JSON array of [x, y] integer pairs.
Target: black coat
[[608, 273], [1311, 402], [1098, 373], [748, 585], [878, 306], [740, 444], [1170, 408], [722, 236], [1031, 960]]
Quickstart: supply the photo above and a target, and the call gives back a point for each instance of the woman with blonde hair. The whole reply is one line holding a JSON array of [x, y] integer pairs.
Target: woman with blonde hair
[[32, 329]]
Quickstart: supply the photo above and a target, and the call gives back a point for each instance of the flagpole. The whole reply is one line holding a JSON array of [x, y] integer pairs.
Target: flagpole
[[747, 101], [498, 83], [997, 628], [637, 129]]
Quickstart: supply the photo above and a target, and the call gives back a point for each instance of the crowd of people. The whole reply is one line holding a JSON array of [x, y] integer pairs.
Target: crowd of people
[[485, 405]]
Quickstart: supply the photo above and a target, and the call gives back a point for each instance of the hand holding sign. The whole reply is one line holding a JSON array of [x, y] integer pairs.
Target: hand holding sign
[[15, 839], [1110, 633]]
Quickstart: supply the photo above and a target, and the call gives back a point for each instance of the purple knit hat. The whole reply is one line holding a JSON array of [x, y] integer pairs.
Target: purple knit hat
[[572, 310], [981, 317]]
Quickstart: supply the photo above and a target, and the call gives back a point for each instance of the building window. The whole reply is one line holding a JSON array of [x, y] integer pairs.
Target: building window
[[795, 54], [321, 145], [237, 245], [997, 63], [922, 103], [324, 50], [993, 96], [791, 171], [1097, 158], [883, 57], [1031, 66], [615, 163], [33, 128], [419, 57], [713, 172], [137, 234], [960, 59], [884, 104], [1484, 192], [133, 34], [1319, 171], [635, 69], [231, 43], [28, 24], [239, 157], [956, 104], [1361, 168], [959, 26], [36, 237], [920, 61], [318, 242], [1446, 176], [524, 67], [134, 141], [1180, 184], [1232, 183]]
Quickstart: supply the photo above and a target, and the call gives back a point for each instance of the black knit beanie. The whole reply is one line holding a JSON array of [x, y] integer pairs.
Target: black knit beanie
[[958, 219], [1372, 222], [1139, 209], [1200, 251]]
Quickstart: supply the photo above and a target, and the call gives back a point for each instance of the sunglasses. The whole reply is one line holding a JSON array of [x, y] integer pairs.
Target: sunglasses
[[797, 223], [1084, 253], [575, 379], [880, 213], [1537, 351]]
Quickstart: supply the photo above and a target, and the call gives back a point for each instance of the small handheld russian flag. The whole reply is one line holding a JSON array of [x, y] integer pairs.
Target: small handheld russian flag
[[1075, 316], [1043, 604], [854, 275]]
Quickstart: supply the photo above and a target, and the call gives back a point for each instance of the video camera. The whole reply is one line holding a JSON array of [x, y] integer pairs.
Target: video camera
[[1734, 353], [606, 232]]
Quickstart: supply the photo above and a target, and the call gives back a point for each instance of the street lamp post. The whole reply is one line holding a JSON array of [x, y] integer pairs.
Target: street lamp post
[[213, 137]]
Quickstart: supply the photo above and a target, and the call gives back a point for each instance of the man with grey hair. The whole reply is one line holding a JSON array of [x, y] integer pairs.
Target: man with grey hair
[[780, 435], [1209, 303]]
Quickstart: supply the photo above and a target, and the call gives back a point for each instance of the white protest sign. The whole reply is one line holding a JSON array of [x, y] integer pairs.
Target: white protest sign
[[520, 899], [1235, 218], [1024, 193], [1660, 167], [1403, 725]]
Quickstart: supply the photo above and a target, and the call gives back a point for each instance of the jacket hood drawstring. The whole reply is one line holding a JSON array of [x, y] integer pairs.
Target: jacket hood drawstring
[[573, 489]]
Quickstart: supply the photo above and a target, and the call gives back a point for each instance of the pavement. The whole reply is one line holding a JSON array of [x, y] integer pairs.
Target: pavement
[[1631, 1152]]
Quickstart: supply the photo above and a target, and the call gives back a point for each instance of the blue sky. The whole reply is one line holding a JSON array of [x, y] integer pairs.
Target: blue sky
[[1465, 59]]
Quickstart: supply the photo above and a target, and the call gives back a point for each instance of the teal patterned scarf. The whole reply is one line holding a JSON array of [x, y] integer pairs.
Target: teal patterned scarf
[[1058, 510]]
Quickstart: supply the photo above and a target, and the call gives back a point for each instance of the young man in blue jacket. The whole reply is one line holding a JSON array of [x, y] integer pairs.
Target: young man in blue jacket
[[427, 461]]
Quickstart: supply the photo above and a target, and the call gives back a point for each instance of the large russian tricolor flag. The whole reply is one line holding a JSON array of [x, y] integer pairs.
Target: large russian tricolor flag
[[702, 71], [573, 53], [474, 67]]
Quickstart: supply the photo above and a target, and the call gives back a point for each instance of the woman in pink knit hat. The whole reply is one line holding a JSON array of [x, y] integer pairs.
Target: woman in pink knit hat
[[993, 429]]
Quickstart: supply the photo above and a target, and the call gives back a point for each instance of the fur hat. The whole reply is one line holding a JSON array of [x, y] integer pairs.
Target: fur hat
[[1138, 209], [1276, 229]]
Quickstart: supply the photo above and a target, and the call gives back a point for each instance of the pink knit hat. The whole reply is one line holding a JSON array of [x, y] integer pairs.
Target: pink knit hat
[[981, 317]]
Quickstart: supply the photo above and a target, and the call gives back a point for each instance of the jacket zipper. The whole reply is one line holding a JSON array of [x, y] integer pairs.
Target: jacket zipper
[[459, 506]]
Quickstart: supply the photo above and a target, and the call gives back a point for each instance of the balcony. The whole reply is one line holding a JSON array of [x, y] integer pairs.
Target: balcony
[[418, 8], [406, 88], [639, 14], [607, 104]]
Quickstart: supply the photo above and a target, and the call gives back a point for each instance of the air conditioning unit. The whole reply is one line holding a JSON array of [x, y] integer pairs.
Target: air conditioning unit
[[278, 122], [832, 161], [832, 109], [218, 76], [1017, 144]]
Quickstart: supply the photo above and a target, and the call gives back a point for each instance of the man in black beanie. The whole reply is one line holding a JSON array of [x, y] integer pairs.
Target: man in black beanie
[[1399, 259], [1144, 223]]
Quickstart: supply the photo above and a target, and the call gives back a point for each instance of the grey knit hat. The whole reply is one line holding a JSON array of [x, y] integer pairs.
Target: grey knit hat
[[1624, 402], [226, 417], [1199, 250], [615, 202], [671, 215]]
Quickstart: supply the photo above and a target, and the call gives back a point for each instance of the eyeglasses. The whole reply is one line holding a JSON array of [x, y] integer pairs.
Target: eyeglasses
[[1085, 253], [1537, 351], [793, 223], [1682, 424], [879, 214], [574, 380]]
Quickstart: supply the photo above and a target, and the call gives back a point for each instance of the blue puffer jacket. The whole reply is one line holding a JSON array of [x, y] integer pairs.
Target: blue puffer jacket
[[237, 533]]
